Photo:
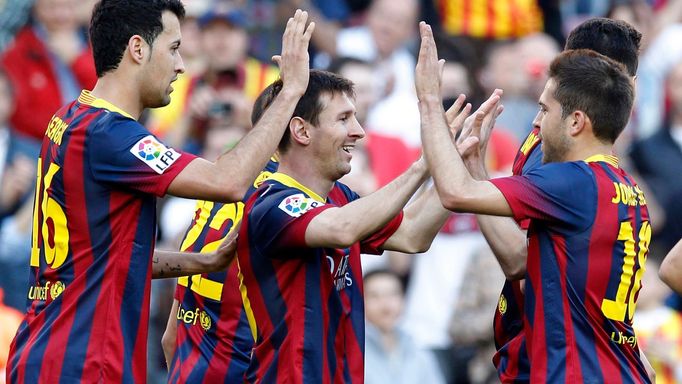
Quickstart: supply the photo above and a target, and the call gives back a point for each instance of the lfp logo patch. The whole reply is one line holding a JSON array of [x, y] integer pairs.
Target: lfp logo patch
[[298, 204], [156, 155]]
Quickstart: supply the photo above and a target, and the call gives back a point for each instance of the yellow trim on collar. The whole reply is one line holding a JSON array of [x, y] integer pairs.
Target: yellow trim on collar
[[88, 99], [291, 182], [613, 160]]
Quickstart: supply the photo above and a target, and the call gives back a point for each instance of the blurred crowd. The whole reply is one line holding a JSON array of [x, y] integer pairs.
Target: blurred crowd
[[429, 316]]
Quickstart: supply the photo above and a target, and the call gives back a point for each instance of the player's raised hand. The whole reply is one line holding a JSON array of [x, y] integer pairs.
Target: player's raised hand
[[479, 126], [294, 62], [429, 69], [227, 250]]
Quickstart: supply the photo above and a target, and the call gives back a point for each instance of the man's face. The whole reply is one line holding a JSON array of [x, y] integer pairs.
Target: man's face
[[391, 24], [383, 301], [225, 45], [333, 139], [555, 140], [164, 64]]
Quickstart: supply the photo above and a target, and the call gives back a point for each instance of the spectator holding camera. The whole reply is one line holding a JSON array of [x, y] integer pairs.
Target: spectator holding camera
[[225, 91]]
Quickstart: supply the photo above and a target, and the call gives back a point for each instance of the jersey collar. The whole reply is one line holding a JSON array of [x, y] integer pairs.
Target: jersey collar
[[88, 99], [291, 182], [610, 159]]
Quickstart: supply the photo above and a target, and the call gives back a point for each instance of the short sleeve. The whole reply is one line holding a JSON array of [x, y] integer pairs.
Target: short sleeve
[[279, 220], [372, 245], [123, 152], [561, 194]]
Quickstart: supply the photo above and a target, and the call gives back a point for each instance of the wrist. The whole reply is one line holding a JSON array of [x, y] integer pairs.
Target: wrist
[[291, 92]]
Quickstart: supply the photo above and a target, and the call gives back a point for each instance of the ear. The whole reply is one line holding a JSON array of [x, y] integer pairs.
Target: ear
[[579, 122], [299, 130], [138, 48]]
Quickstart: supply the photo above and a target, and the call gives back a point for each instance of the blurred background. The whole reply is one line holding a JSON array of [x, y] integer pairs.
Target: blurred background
[[437, 306]]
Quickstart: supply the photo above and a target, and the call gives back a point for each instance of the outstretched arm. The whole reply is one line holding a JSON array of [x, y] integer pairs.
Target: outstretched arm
[[506, 239], [174, 264], [231, 175], [457, 190], [343, 226]]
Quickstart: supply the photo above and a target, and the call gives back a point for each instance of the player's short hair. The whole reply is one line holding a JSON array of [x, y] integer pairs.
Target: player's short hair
[[597, 85], [114, 22], [615, 39], [310, 105]]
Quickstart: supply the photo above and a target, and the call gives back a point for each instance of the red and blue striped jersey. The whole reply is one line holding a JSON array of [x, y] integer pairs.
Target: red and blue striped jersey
[[511, 358], [214, 341], [94, 224], [588, 243], [306, 303]]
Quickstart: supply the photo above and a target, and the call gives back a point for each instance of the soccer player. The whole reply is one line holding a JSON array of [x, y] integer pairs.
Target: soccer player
[[589, 229], [98, 174], [208, 338], [301, 237], [619, 41]]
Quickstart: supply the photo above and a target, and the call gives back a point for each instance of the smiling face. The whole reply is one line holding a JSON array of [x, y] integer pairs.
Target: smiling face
[[334, 137], [555, 140], [383, 301], [163, 66]]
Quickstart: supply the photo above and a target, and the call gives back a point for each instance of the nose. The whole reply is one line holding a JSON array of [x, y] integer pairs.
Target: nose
[[536, 120], [356, 129], [179, 64]]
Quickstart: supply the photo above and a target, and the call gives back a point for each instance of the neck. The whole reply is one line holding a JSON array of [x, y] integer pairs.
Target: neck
[[304, 173], [582, 152], [120, 91]]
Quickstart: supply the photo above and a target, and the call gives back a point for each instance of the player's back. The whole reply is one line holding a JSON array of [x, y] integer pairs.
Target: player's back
[[214, 340], [584, 275], [92, 242]]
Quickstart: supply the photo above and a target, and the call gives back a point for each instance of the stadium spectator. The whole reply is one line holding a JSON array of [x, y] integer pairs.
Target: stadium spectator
[[389, 351], [50, 57], [96, 205], [231, 81]]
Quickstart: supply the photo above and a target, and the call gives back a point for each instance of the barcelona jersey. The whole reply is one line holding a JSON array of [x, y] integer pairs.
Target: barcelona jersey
[[214, 341], [511, 359], [94, 223], [306, 303], [586, 255]]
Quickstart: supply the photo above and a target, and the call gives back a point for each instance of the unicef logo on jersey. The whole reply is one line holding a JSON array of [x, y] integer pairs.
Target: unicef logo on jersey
[[298, 204], [149, 150]]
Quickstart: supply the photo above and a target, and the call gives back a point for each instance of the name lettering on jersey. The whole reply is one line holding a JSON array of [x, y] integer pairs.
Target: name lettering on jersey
[[342, 278], [628, 195], [188, 316], [298, 204], [529, 143], [40, 292], [623, 339], [55, 130], [153, 153]]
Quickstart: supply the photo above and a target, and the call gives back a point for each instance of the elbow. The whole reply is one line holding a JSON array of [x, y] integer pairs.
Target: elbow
[[514, 272], [667, 273], [515, 266], [230, 192]]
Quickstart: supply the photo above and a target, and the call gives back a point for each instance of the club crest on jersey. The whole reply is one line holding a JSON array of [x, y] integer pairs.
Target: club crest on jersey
[[298, 204], [156, 155], [502, 305]]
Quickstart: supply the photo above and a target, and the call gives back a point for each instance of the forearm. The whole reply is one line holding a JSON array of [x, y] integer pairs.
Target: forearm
[[508, 243], [423, 219], [167, 264], [447, 167], [344, 226], [241, 165], [170, 334]]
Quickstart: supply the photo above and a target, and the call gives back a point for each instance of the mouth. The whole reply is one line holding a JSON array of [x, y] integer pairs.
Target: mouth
[[348, 148]]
